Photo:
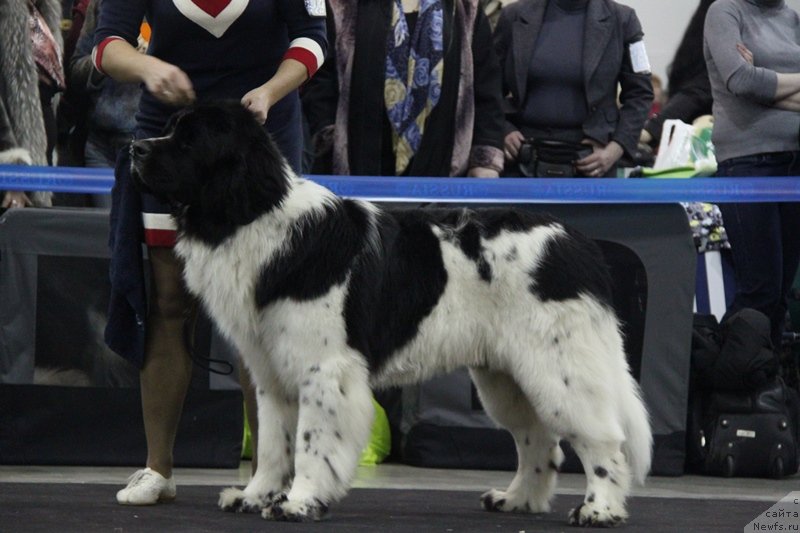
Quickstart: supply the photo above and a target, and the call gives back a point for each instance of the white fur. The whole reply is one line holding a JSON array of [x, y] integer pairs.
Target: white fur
[[16, 156], [544, 370]]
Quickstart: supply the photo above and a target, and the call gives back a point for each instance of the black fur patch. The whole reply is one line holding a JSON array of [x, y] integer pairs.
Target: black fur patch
[[319, 255], [469, 239], [391, 292], [330, 467], [512, 254], [571, 265]]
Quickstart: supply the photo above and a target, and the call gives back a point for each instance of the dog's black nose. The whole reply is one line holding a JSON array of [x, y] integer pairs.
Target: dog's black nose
[[140, 148]]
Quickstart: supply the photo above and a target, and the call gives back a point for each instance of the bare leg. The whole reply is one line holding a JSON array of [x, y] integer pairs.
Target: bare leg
[[167, 369]]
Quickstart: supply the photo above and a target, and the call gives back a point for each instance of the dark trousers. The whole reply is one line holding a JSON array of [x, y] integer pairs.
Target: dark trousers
[[765, 240]]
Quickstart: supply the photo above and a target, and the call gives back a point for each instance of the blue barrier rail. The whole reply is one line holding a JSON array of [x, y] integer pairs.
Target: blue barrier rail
[[470, 190]]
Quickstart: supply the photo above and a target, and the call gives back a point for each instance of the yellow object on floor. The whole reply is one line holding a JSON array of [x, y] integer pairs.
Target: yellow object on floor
[[377, 449]]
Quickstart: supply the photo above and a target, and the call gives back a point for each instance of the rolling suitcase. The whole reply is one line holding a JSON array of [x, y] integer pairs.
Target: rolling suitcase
[[747, 435]]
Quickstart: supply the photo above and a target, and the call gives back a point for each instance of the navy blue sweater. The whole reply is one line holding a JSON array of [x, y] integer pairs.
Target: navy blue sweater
[[223, 61], [227, 48]]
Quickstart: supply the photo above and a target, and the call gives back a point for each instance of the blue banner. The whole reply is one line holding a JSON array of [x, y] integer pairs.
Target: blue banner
[[465, 190]]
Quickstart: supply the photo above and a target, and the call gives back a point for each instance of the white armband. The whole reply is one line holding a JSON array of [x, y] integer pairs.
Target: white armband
[[639, 60]]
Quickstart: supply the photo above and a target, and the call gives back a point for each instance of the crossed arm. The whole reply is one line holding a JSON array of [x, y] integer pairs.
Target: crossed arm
[[736, 66], [787, 93]]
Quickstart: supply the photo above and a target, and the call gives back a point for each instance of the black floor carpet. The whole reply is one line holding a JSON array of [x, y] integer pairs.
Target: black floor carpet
[[28, 507]]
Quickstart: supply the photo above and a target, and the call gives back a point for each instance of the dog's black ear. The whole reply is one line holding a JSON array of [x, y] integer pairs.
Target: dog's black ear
[[245, 183], [241, 173], [268, 169], [225, 197]]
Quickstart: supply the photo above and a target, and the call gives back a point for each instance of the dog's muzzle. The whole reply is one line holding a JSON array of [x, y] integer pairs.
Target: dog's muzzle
[[139, 151]]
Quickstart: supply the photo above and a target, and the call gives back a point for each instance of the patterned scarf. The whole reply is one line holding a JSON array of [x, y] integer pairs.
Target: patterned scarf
[[413, 82]]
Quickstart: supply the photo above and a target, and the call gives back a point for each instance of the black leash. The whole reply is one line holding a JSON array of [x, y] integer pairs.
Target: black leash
[[189, 335]]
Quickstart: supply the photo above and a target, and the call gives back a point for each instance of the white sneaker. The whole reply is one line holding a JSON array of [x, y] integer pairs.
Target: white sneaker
[[147, 487]]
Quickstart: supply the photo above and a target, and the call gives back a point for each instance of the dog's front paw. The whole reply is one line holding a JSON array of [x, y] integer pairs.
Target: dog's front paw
[[592, 515], [238, 501], [494, 500], [502, 501], [285, 510]]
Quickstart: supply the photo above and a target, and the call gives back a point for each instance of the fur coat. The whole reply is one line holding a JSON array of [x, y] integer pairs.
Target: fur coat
[[22, 134]]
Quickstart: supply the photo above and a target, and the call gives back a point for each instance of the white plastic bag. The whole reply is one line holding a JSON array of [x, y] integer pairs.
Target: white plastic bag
[[676, 145]]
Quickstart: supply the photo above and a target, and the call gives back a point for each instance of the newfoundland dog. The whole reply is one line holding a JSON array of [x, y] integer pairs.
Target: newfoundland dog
[[326, 298]]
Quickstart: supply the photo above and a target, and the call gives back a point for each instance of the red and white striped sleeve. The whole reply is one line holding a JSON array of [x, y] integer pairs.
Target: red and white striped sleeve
[[97, 51], [308, 52]]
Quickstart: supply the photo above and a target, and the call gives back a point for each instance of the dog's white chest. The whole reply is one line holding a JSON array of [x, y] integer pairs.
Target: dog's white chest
[[224, 278]]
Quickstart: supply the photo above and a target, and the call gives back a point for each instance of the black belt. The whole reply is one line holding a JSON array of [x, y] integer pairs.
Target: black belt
[[549, 158]]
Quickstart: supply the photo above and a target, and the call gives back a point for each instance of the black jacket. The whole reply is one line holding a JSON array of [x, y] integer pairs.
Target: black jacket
[[610, 29], [691, 100]]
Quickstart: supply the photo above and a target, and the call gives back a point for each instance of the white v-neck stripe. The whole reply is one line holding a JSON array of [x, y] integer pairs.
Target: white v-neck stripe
[[216, 26]]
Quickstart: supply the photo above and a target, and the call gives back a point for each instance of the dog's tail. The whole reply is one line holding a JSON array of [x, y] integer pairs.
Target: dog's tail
[[638, 445]]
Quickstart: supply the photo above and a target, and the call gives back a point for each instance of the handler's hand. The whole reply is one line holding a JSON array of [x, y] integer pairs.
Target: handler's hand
[[168, 83], [600, 160], [16, 199], [511, 145], [258, 101]]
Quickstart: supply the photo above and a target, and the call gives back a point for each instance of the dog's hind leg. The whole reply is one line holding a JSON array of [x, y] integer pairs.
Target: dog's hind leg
[[539, 455], [615, 452], [581, 407], [335, 417], [581, 387], [277, 422], [608, 482]]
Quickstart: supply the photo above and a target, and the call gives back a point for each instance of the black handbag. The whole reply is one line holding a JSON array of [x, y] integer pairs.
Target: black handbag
[[548, 158], [742, 419], [746, 435]]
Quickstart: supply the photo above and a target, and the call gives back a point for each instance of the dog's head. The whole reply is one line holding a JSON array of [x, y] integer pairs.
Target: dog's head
[[215, 165]]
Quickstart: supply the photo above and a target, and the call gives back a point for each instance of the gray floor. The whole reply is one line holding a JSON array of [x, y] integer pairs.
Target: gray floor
[[42, 499], [395, 476]]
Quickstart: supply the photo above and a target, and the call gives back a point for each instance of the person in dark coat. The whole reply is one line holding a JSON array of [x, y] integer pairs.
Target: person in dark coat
[[688, 88], [562, 62]]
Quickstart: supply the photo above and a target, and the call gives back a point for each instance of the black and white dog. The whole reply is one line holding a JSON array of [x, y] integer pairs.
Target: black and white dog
[[325, 298]]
